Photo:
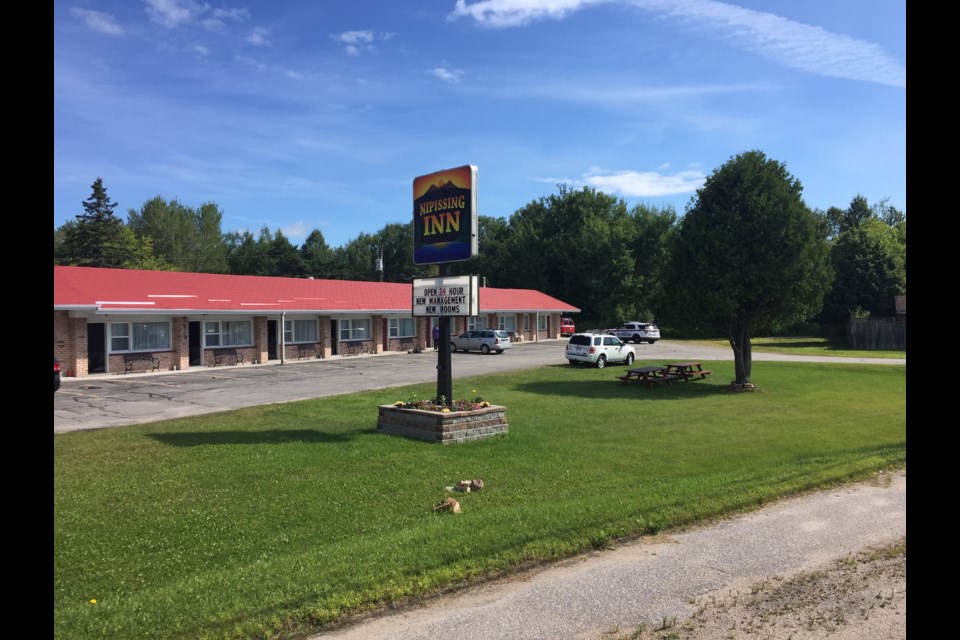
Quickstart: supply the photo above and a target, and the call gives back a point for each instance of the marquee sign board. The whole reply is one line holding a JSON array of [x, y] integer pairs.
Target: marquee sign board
[[445, 216], [449, 296]]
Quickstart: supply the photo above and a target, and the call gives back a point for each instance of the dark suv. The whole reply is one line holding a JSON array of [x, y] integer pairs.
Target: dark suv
[[56, 374]]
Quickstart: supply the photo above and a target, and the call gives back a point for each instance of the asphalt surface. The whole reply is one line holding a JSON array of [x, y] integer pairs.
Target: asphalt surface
[[655, 578], [109, 400], [643, 582]]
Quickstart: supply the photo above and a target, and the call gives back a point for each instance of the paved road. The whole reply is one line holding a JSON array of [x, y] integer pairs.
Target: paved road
[[100, 401], [656, 578]]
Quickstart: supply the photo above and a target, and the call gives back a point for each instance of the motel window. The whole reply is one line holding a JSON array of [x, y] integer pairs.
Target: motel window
[[139, 336], [435, 322], [508, 323], [476, 322], [526, 322], [229, 333], [300, 331], [355, 329], [402, 327], [541, 323]]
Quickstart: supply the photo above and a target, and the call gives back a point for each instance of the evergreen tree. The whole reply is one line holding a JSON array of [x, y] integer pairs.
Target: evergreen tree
[[96, 237]]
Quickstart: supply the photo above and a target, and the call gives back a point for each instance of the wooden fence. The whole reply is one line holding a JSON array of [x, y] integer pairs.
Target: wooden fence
[[877, 334]]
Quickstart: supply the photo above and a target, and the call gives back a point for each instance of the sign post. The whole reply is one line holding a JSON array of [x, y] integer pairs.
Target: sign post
[[445, 231]]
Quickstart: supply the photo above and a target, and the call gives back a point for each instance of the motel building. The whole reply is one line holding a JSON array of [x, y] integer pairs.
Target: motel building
[[115, 321]]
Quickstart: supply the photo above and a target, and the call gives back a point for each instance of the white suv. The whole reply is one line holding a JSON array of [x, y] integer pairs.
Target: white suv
[[637, 332], [598, 349]]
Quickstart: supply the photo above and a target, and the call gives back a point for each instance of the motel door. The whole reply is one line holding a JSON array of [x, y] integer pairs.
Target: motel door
[[195, 344], [272, 353], [96, 347]]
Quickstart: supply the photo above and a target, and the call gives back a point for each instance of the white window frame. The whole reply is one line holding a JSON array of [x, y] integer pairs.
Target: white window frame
[[355, 328], [130, 334], [220, 334], [526, 322], [507, 323], [294, 335], [395, 327], [475, 323], [542, 322]]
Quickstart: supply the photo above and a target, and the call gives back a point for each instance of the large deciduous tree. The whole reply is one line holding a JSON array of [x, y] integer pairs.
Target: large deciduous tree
[[188, 238], [747, 255]]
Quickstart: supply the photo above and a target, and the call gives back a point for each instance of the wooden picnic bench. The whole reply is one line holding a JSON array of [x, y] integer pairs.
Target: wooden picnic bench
[[687, 370], [408, 344], [129, 359], [647, 375], [355, 348], [227, 352], [307, 350]]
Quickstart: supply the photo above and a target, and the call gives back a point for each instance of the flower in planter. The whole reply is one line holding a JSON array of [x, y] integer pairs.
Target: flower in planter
[[440, 404]]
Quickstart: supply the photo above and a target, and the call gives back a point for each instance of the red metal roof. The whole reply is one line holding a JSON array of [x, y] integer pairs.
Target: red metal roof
[[158, 291]]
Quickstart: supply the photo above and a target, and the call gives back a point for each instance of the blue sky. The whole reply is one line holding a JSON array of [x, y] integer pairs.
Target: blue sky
[[319, 115]]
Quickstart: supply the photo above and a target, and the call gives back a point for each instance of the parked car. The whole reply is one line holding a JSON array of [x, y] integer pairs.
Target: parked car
[[482, 340], [567, 327], [636, 332], [56, 374], [598, 349]]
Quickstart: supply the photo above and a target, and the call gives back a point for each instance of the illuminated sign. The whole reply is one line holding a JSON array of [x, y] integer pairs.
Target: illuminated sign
[[445, 216], [446, 296]]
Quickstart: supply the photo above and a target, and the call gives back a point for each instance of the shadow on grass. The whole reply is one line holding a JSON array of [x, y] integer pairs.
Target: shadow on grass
[[676, 390], [273, 436]]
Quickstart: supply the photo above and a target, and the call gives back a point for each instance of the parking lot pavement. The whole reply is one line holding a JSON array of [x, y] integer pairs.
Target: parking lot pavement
[[106, 400]]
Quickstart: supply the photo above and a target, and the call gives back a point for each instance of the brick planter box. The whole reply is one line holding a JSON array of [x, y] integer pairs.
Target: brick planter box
[[446, 428]]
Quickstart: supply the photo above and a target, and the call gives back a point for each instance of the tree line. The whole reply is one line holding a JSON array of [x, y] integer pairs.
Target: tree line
[[745, 241]]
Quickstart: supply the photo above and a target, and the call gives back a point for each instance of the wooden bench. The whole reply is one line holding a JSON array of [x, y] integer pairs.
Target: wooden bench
[[129, 359], [687, 370], [515, 337], [356, 347], [408, 344], [227, 352], [647, 375], [307, 350]]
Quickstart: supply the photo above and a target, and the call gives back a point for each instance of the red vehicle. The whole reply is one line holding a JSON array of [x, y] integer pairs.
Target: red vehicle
[[567, 327]]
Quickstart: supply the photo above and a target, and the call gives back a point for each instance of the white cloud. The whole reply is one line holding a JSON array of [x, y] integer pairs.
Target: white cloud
[[793, 44], [645, 184], [447, 75], [636, 184], [232, 14], [201, 50], [98, 21], [258, 37], [296, 231], [516, 13], [173, 13], [356, 41], [354, 37]]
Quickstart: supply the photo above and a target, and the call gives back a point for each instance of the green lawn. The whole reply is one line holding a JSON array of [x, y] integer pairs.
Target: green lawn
[[801, 346], [271, 521]]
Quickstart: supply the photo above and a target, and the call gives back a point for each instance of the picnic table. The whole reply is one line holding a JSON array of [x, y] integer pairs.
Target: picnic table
[[647, 375], [687, 370]]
